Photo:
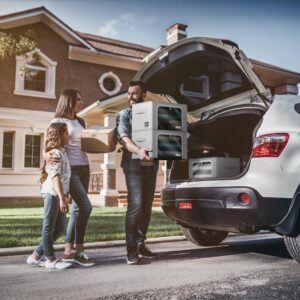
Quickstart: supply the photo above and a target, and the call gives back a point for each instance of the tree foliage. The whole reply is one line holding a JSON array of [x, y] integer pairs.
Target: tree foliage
[[11, 44]]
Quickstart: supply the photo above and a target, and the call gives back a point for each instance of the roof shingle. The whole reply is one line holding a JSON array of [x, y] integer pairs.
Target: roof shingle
[[116, 47]]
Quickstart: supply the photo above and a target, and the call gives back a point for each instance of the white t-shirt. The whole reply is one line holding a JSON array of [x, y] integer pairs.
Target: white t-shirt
[[75, 155]]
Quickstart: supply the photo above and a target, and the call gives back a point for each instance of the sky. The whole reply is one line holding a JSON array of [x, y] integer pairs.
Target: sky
[[266, 30]]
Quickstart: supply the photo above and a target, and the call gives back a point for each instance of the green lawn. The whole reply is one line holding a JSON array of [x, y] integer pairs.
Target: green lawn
[[20, 225]]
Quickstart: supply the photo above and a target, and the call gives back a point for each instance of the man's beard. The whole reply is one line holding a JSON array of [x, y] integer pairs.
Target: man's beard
[[132, 101]]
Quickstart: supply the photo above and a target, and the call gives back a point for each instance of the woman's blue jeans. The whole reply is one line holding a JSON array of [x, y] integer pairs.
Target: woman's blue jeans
[[141, 188], [81, 207], [53, 226]]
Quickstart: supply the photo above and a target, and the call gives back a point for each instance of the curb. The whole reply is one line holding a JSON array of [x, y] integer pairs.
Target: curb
[[94, 245]]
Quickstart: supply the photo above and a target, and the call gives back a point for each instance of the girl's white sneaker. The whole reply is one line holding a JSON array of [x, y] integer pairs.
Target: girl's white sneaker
[[57, 264], [35, 262]]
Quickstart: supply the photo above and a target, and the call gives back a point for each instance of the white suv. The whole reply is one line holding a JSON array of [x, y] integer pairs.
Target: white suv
[[243, 168]]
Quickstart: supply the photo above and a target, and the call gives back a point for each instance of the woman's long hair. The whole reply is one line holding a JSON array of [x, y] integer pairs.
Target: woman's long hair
[[66, 104], [54, 139]]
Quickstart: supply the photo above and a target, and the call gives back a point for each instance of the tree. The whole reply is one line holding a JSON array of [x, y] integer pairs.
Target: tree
[[11, 44]]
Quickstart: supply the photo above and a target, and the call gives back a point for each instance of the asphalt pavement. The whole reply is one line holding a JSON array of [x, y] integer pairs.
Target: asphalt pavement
[[242, 267]]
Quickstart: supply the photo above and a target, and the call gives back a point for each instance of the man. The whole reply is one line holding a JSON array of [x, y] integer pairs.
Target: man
[[140, 175]]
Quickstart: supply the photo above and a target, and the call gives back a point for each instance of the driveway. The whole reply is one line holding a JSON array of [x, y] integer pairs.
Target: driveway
[[242, 267]]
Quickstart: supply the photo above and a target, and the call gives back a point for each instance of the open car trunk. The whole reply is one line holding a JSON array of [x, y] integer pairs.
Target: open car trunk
[[218, 149], [224, 96], [202, 73]]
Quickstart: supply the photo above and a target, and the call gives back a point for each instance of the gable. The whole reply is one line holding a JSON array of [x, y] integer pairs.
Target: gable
[[41, 14]]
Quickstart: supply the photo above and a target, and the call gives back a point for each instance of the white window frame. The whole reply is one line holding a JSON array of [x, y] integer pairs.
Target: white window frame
[[115, 78], [24, 150], [49, 67], [1, 147]]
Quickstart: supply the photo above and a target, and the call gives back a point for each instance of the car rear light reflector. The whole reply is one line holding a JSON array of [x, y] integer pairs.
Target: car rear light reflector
[[185, 205], [244, 198], [270, 145]]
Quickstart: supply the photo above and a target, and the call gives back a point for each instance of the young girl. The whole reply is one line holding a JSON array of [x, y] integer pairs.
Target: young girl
[[55, 188]]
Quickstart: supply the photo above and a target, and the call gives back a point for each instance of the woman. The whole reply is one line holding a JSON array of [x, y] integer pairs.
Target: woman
[[68, 106]]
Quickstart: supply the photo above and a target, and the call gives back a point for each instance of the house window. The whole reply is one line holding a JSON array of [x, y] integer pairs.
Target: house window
[[32, 151], [110, 83], [39, 78], [35, 78], [7, 153]]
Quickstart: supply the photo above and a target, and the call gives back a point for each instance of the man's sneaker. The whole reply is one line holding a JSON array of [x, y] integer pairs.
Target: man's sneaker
[[132, 256], [35, 262], [56, 264], [69, 258], [144, 252], [83, 260]]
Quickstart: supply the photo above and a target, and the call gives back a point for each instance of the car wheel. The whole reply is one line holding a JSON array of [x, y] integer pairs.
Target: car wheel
[[203, 237], [292, 244]]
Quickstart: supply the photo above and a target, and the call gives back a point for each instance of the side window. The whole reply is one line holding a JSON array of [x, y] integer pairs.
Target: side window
[[7, 151], [39, 78], [32, 151]]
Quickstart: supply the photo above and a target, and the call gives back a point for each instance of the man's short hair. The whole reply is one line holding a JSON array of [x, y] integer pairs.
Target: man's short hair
[[139, 83]]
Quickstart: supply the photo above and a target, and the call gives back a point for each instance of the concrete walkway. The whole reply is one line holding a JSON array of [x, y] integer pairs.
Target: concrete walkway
[[106, 244]]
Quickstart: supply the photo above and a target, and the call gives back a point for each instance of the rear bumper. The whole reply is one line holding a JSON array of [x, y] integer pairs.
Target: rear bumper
[[219, 207]]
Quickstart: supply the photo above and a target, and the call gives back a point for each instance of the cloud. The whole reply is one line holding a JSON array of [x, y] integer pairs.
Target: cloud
[[150, 19], [130, 18], [112, 27]]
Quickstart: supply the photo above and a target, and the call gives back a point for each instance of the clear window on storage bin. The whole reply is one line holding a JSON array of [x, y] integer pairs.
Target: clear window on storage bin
[[169, 118], [201, 169], [169, 146]]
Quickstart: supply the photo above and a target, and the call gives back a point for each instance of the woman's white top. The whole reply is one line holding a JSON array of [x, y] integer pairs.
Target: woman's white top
[[62, 169], [75, 155]]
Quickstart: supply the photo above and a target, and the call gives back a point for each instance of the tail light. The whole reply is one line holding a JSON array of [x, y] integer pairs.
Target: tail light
[[270, 145], [185, 205], [244, 198]]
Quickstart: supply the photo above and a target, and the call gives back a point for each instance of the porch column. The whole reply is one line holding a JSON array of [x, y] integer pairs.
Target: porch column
[[109, 195]]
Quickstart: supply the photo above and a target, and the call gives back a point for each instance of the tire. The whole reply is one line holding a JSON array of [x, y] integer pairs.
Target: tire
[[203, 237], [292, 244]]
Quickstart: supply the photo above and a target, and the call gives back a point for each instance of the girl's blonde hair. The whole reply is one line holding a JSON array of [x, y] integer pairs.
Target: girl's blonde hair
[[54, 139]]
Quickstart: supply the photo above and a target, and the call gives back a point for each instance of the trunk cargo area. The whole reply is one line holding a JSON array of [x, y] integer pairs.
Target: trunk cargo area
[[219, 148]]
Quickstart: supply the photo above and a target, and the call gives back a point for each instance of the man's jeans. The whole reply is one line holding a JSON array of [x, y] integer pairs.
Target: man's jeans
[[141, 188], [81, 206], [53, 226]]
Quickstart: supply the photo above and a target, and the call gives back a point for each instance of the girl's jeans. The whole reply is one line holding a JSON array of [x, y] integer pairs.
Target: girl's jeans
[[53, 226], [81, 206]]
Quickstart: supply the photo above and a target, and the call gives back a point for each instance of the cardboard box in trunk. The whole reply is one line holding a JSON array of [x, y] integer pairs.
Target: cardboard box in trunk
[[98, 140]]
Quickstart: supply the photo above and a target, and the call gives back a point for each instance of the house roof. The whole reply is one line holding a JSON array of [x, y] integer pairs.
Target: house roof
[[274, 76], [117, 47], [263, 64]]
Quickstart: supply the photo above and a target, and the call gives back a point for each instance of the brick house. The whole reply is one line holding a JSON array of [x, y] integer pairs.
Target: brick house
[[98, 67]]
